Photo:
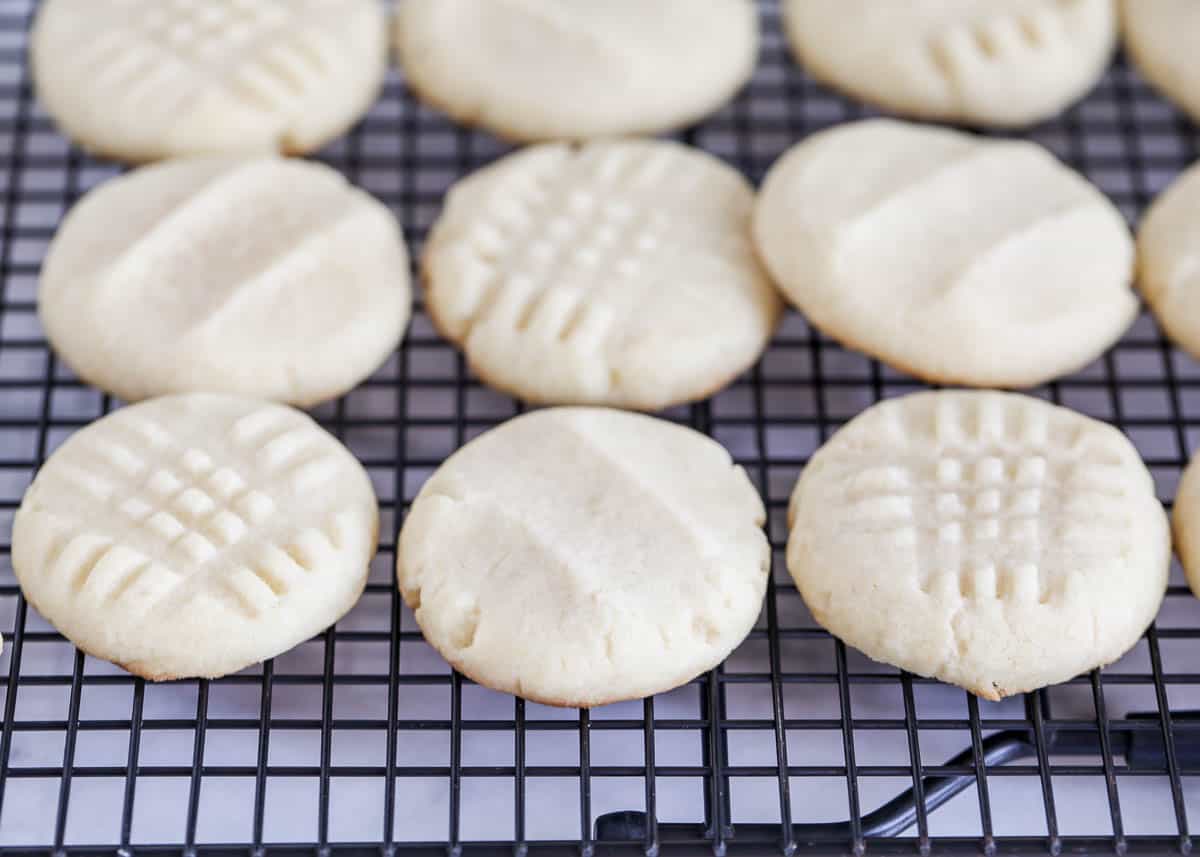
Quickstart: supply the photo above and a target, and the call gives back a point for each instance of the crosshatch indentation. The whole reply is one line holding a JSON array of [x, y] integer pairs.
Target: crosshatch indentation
[[364, 735], [183, 497], [190, 26], [206, 36]]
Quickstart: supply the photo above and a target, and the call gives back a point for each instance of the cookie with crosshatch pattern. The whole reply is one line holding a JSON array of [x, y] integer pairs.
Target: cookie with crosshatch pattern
[[990, 540], [139, 80], [616, 273], [194, 535]]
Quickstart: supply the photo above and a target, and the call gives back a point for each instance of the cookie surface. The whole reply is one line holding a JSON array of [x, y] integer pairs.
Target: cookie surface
[[141, 81], [573, 69], [1169, 259], [990, 540], [986, 62], [618, 273], [581, 556], [1160, 36], [267, 277], [195, 535], [958, 259]]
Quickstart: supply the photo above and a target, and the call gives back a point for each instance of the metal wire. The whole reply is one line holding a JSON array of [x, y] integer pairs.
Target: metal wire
[[363, 742]]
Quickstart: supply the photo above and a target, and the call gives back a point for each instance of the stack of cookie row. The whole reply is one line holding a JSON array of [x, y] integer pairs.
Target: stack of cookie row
[[580, 555]]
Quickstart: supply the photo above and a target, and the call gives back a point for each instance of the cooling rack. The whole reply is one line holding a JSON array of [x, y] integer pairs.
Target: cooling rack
[[362, 741]]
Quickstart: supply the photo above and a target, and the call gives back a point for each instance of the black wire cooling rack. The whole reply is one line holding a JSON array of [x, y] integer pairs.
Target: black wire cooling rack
[[362, 741]]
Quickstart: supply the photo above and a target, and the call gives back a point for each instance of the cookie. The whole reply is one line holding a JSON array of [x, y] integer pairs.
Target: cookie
[[1169, 260], [566, 70], [1186, 521], [981, 62], [616, 273], [264, 277], [581, 556], [955, 258], [139, 81], [195, 535], [990, 540], [1160, 36]]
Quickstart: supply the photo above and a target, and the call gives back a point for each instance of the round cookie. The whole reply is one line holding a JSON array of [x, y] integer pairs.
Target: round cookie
[[985, 62], [1186, 523], [581, 556], [958, 259], [268, 277], [990, 540], [570, 70], [616, 273], [140, 81], [1169, 259], [1160, 36], [192, 536]]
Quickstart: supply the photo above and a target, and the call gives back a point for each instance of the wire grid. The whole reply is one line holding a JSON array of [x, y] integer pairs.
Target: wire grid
[[363, 740]]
